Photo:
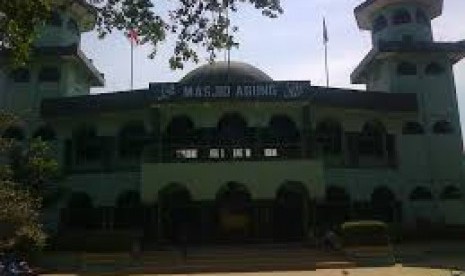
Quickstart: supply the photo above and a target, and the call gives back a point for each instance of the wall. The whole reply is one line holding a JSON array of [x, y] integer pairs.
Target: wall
[[205, 179]]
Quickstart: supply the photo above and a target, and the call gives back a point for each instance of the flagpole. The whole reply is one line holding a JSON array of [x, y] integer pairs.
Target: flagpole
[[132, 65], [326, 65], [325, 42]]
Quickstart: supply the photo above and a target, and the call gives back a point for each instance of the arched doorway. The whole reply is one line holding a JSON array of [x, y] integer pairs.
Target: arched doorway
[[234, 212], [128, 211], [338, 206], [79, 212], [291, 212], [175, 203], [384, 205]]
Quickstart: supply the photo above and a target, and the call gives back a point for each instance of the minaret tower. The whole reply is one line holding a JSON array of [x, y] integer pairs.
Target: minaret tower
[[405, 58], [57, 66]]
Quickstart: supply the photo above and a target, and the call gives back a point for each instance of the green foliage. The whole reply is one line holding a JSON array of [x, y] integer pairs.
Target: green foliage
[[19, 218], [27, 171], [18, 20], [192, 23]]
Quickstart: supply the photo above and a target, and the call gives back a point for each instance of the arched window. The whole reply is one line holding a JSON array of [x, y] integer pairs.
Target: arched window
[[421, 194], [451, 193], [412, 128], [232, 127], [180, 129], [14, 132], [87, 145], [443, 127], [383, 202], [372, 139], [21, 75], [79, 212], [329, 136], [45, 133], [49, 74], [422, 18], [406, 69], [131, 140], [379, 24], [55, 19], [283, 129], [79, 200], [401, 16], [434, 69]]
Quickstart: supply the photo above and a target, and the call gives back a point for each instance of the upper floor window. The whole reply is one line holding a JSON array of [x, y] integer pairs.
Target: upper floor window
[[49, 74], [14, 132], [55, 20], [401, 16], [443, 127], [379, 24], [406, 69], [421, 194], [329, 136], [422, 18], [450, 193], [45, 133], [372, 139], [411, 128], [131, 140], [180, 130], [21, 75], [434, 69]]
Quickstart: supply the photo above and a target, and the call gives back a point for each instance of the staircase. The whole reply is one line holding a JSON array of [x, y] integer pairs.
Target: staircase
[[214, 259]]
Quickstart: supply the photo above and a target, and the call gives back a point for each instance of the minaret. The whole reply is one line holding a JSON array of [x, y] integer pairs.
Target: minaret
[[406, 59], [57, 66]]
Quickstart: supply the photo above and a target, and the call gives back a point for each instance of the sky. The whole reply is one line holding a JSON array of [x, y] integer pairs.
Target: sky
[[287, 48]]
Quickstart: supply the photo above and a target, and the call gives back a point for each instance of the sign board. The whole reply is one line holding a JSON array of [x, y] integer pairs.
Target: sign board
[[270, 90]]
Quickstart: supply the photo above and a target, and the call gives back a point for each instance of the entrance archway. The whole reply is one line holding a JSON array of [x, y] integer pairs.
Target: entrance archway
[[291, 212], [338, 206], [175, 203], [234, 212], [384, 204]]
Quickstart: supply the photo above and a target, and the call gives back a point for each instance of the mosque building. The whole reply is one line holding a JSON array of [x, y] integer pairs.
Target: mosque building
[[227, 153]]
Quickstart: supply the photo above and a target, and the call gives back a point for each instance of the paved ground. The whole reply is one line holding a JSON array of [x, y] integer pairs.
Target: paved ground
[[426, 259], [382, 271]]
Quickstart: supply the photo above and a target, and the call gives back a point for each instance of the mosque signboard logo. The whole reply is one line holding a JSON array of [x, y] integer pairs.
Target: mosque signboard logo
[[270, 90]]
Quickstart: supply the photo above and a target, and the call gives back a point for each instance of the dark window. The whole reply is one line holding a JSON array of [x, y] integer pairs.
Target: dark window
[[422, 18], [443, 127], [87, 145], [232, 127], [14, 132], [411, 128], [49, 74], [21, 75], [434, 69], [55, 20], [406, 69], [180, 130], [379, 24], [372, 139], [72, 26], [451, 193], [329, 136], [421, 194], [132, 140], [283, 129], [401, 16], [45, 133]]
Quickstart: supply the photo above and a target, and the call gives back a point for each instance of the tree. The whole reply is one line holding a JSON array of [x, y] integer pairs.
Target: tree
[[191, 23], [26, 171]]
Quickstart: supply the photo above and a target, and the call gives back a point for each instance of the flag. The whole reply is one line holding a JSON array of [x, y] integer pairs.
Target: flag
[[325, 32], [133, 36]]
